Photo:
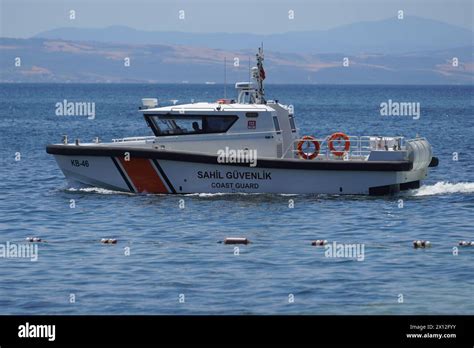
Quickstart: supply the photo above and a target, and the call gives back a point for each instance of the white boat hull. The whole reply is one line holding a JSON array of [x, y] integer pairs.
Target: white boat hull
[[164, 175]]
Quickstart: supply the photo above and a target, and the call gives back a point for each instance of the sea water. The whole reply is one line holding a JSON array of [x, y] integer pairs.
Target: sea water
[[168, 259]]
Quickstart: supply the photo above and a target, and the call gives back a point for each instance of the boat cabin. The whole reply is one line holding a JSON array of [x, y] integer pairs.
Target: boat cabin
[[209, 127]]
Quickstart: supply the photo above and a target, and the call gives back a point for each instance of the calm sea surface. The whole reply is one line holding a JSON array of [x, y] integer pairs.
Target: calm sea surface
[[175, 252]]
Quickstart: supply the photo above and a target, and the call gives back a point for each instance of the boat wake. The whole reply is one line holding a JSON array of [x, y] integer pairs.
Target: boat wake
[[442, 188], [217, 194], [98, 190]]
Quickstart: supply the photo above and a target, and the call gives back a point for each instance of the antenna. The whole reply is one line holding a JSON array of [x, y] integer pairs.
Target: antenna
[[225, 77], [250, 76]]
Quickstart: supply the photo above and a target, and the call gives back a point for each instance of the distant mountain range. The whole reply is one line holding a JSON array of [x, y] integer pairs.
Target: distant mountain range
[[409, 51], [389, 36]]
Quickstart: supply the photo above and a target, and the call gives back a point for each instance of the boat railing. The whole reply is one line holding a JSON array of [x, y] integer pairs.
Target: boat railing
[[123, 140], [359, 149]]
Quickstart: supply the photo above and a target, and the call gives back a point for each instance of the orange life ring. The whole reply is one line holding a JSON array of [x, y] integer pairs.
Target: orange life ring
[[310, 155], [337, 136]]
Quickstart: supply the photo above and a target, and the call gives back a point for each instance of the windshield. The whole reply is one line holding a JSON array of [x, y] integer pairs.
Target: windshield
[[182, 125]]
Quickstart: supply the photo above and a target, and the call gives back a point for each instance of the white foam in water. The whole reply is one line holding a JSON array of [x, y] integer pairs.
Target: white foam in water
[[441, 188], [218, 194], [204, 194], [96, 190]]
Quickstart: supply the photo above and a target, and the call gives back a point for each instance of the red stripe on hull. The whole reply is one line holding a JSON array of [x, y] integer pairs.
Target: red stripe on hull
[[143, 175]]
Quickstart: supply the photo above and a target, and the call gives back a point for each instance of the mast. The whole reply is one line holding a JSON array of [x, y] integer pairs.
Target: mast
[[254, 91], [259, 76], [225, 78]]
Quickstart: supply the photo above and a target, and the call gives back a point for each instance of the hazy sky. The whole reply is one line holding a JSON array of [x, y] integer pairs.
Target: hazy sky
[[25, 18]]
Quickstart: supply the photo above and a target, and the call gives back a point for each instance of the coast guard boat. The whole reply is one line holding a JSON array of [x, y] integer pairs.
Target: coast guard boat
[[247, 145]]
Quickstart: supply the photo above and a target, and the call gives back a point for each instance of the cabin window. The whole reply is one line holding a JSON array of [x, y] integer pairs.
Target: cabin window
[[292, 123], [276, 124], [169, 124], [217, 124]]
